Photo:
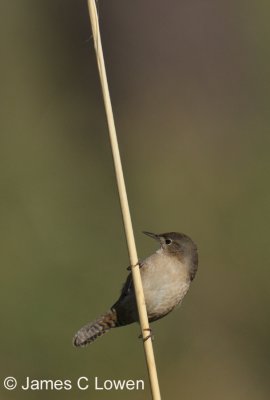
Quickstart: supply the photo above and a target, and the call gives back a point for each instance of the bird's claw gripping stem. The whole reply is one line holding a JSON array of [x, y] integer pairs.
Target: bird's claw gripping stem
[[132, 266], [148, 336]]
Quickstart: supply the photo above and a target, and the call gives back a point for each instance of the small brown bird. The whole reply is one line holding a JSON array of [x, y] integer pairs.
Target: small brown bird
[[166, 277]]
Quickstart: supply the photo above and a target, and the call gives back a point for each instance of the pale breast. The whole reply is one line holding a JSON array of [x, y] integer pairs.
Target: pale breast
[[165, 282]]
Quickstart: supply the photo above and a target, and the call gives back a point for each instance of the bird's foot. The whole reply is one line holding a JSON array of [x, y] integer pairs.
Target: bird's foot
[[132, 266], [148, 336]]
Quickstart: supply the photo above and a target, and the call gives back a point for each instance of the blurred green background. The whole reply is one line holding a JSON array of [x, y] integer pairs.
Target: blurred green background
[[190, 89]]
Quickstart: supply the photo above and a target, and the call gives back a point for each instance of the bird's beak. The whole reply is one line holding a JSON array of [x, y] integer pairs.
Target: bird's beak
[[152, 235]]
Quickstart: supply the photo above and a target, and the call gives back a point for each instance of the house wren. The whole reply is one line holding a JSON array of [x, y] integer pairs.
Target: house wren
[[166, 277]]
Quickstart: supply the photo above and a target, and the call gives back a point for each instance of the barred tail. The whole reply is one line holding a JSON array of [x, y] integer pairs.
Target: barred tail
[[90, 332]]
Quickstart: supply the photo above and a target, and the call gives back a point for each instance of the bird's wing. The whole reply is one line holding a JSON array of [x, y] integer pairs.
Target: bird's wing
[[128, 287]]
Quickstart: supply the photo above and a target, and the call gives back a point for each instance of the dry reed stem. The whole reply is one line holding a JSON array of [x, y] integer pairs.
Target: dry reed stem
[[148, 346]]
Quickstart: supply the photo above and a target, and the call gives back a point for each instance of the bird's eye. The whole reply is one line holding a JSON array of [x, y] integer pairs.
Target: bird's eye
[[168, 241]]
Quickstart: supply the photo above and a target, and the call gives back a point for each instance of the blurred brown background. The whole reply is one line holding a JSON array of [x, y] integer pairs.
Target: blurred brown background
[[189, 83]]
